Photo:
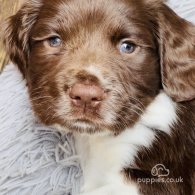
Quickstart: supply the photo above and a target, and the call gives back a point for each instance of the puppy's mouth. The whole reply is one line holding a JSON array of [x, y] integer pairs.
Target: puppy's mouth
[[86, 119], [86, 113], [84, 125]]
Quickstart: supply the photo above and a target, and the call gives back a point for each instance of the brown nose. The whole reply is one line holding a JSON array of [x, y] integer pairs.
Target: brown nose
[[86, 95]]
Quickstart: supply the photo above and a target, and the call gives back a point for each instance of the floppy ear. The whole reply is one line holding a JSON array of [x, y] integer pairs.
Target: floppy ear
[[176, 38], [16, 33]]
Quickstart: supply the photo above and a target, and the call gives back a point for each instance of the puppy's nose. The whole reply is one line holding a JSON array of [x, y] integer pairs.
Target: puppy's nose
[[86, 95]]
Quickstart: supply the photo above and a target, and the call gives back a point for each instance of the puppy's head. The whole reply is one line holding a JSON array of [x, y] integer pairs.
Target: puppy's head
[[95, 65]]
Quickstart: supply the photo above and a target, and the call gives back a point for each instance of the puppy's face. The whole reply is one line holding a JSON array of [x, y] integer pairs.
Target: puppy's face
[[90, 65]]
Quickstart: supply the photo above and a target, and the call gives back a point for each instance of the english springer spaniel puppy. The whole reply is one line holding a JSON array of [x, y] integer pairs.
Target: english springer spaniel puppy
[[120, 76]]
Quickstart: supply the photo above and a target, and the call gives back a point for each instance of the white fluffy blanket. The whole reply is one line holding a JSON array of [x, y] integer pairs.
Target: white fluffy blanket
[[34, 159]]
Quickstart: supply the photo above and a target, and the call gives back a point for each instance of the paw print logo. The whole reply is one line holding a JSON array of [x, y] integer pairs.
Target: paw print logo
[[160, 170]]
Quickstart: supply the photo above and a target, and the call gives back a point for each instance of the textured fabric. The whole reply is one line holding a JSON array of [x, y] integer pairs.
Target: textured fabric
[[34, 159]]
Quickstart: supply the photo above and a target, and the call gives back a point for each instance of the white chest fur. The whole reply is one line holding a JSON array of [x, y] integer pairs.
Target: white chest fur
[[104, 156]]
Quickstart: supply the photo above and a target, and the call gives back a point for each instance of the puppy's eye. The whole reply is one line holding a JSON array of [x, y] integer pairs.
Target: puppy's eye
[[127, 47], [55, 41]]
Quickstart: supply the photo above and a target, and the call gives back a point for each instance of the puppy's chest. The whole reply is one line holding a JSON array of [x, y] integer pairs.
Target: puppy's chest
[[102, 154], [103, 158]]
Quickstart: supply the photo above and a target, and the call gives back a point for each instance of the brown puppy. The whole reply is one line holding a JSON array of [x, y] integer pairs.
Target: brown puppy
[[120, 75]]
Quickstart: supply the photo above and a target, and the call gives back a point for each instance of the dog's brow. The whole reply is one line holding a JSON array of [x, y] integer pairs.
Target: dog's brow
[[42, 37]]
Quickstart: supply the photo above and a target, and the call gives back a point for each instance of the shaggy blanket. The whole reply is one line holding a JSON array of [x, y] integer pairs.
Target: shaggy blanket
[[35, 159]]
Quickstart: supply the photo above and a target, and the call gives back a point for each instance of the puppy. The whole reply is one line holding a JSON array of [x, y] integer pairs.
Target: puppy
[[119, 75]]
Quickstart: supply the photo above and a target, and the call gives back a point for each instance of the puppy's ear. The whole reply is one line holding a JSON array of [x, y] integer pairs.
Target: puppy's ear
[[176, 38], [16, 33]]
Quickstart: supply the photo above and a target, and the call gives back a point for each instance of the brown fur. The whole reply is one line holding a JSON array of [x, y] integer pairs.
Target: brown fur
[[91, 32], [175, 152]]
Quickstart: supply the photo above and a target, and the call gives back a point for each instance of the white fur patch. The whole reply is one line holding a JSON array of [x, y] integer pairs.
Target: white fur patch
[[93, 70], [161, 114], [103, 157]]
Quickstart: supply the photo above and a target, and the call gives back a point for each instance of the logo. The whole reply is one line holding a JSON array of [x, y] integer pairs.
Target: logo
[[160, 170], [161, 175]]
